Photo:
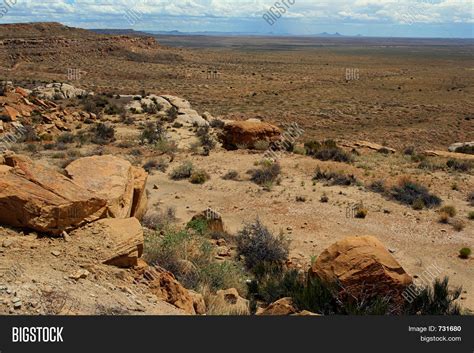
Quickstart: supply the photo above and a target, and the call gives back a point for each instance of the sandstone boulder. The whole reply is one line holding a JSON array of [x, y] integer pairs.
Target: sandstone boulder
[[117, 242], [36, 197], [230, 302], [247, 133], [167, 288], [362, 266], [455, 146], [282, 307], [115, 180]]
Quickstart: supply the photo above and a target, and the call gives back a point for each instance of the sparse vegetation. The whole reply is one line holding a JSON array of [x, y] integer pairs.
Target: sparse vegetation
[[465, 253], [334, 178], [459, 166], [199, 176], [458, 225], [103, 134], [449, 210], [231, 175], [156, 164], [184, 171], [158, 220], [267, 174], [259, 246], [327, 151], [410, 193]]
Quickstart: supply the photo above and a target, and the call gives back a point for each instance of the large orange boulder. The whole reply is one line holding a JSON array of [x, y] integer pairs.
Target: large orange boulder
[[247, 133], [115, 180], [362, 266], [36, 197]]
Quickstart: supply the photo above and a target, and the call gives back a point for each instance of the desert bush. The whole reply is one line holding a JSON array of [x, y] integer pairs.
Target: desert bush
[[464, 253], [443, 218], [190, 258], [459, 166], [156, 164], [458, 225], [114, 109], [431, 165], [324, 198], [258, 245], [435, 300], [449, 210], [378, 186], [413, 194], [199, 176], [465, 149], [152, 133], [65, 137], [231, 175], [171, 114], [409, 150], [166, 146], [205, 139], [470, 198], [217, 124], [334, 178], [313, 294], [183, 171], [327, 151], [361, 212], [470, 215], [103, 134], [300, 199], [158, 220], [267, 174]]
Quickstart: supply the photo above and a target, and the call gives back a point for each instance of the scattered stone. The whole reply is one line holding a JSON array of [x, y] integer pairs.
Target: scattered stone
[[80, 274], [282, 307], [56, 253]]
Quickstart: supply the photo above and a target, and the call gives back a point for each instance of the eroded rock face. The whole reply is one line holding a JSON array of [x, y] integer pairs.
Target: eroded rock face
[[115, 180], [230, 302], [36, 197], [247, 133], [167, 288], [362, 266]]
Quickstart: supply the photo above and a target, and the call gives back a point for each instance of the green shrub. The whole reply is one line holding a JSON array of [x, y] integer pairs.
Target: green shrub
[[415, 195], [103, 134], [435, 300], [378, 186], [470, 215], [172, 114], [199, 176], [464, 253], [261, 145], [267, 174], [152, 133], [65, 137], [258, 245], [183, 171], [327, 151]]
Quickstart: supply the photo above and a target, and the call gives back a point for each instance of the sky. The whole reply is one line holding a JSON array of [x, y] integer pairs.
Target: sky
[[387, 18]]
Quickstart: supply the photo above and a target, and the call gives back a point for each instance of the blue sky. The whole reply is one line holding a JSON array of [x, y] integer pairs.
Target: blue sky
[[405, 18]]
